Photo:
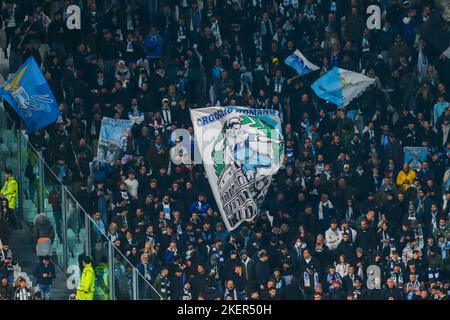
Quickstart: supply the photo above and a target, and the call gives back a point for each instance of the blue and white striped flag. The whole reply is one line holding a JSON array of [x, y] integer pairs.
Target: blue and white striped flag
[[341, 86], [298, 61]]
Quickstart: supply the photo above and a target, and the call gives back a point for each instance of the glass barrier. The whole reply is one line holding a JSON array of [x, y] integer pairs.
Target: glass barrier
[[144, 291], [97, 248], [102, 276], [29, 181], [8, 144], [123, 276], [76, 233]]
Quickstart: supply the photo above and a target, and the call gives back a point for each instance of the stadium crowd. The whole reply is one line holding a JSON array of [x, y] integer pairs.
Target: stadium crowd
[[344, 200]]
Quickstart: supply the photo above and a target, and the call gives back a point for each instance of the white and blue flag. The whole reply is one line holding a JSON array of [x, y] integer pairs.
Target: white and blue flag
[[341, 86], [298, 62], [113, 139], [241, 150]]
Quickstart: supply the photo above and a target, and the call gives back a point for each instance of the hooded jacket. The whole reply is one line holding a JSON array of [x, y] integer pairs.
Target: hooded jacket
[[86, 288], [9, 191]]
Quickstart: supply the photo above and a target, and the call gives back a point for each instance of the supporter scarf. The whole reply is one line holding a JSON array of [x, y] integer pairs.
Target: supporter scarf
[[62, 172], [293, 3], [181, 34], [279, 283], [216, 32], [158, 125], [360, 272], [320, 168], [266, 27], [433, 274], [306, 279], [147, 271], [334, 277], [167, 115], [187, 295], [365, 44], [151, 238], [398, 278], [333, 6], [165, 287], [422, 62], [166, 209], [184, 4], [446, 201], [219, 254], [324, 210], [258, 43], [415, 285], [232, 293], [245, 83], [113, 236], [308, 11], [93, 129], [257, 3], [443, 248], [11, 14], [434, 219], [349, 215], [130, 25]]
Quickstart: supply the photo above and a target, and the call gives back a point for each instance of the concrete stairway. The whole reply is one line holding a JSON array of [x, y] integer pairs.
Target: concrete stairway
[[22, 243], [24, 250]]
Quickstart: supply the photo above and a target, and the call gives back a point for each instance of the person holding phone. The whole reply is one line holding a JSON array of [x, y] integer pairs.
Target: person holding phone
[[45, 273]]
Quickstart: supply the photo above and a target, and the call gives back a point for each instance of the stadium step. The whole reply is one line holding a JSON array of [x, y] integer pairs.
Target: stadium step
[[59, 287], [24, 250]]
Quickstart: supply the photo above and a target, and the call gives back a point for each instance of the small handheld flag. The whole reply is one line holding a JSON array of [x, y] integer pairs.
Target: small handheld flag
[[298, 62]]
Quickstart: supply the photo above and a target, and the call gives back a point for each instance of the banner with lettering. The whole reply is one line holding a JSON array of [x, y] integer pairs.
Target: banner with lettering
[[113, 139], [241, 150]]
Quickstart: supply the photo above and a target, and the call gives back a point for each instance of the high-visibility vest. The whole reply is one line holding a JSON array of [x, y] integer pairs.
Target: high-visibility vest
[[9, 191]]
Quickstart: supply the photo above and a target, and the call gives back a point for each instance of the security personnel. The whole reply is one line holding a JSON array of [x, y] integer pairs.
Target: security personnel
[[10, 189], [86, 288]]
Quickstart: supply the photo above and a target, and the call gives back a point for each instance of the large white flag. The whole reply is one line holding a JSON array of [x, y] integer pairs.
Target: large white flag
[[241, 150]]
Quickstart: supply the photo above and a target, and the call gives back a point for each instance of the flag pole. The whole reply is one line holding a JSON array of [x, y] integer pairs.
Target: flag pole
[[298, 76], [27, 31]]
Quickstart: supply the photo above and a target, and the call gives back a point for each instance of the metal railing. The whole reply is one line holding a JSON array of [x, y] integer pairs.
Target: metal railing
[[72, 240]]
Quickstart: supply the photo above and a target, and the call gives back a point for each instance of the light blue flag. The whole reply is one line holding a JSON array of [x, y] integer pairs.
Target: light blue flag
[[415, 156], [341, 86], [298, 62], [31, 97]]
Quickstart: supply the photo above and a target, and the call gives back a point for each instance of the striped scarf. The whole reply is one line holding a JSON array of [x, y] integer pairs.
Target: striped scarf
[[307, 281]]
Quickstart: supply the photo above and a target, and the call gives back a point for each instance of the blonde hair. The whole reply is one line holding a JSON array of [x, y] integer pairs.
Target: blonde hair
[[149, 249]]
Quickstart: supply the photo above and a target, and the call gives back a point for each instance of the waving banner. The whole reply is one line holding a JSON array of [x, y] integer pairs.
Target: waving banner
[[298, 62], [241, 150], [30, 96], [113, 139]]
